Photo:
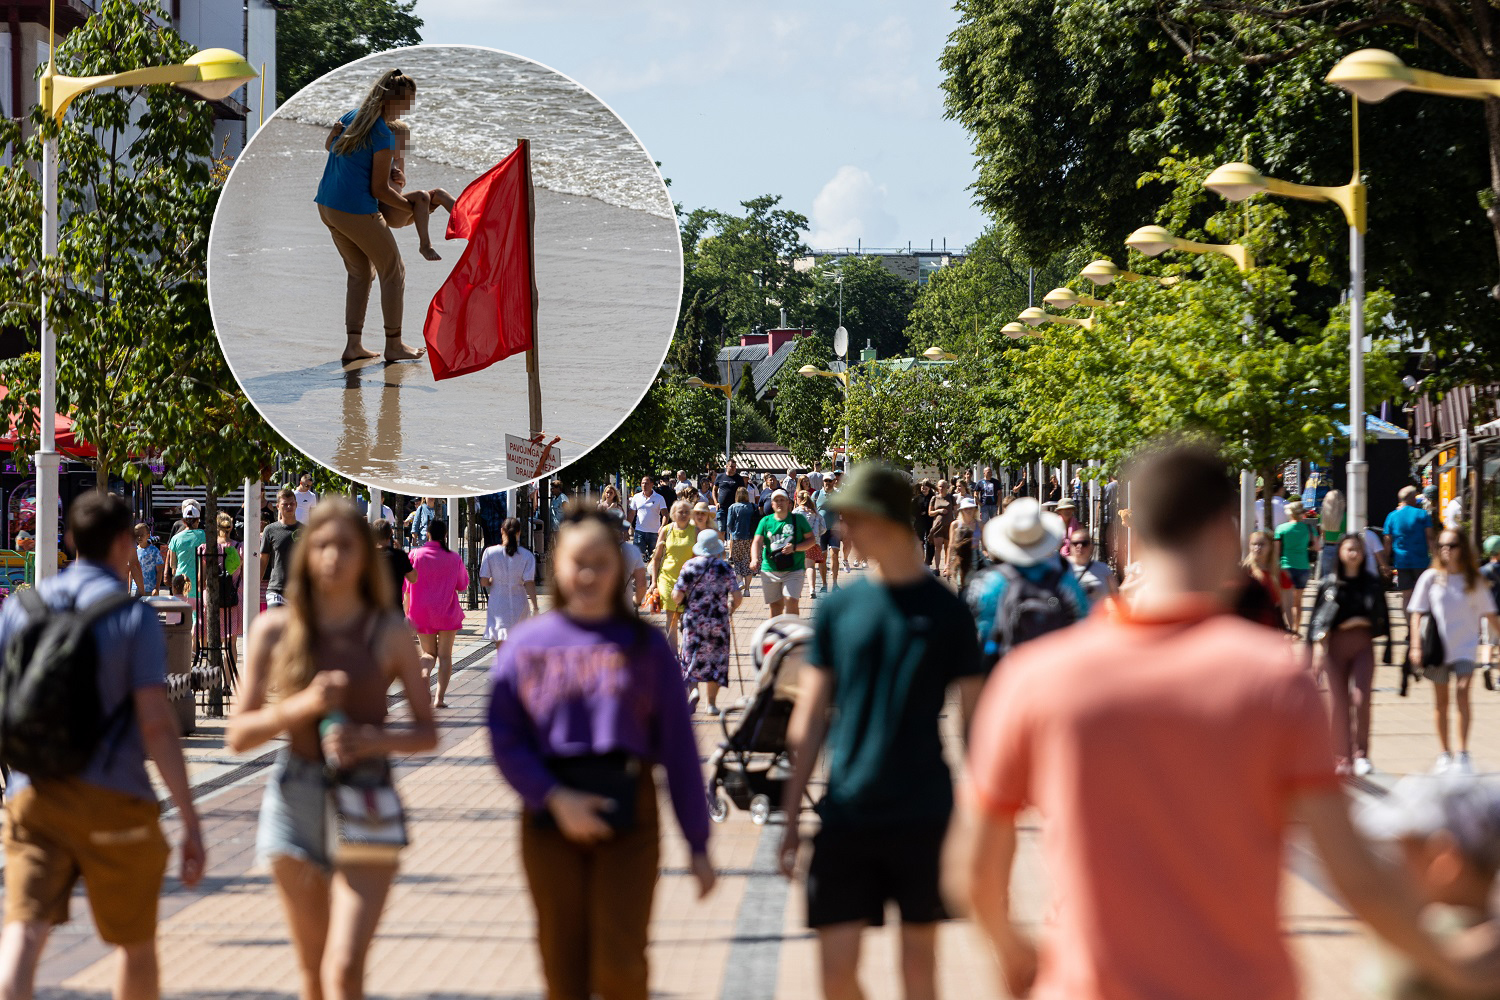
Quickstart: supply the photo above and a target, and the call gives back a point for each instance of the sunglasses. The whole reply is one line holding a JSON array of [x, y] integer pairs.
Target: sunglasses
[[1083, 542], [1449, 545]]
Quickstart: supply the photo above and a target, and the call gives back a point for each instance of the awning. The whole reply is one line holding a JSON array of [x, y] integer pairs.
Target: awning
[[68, 442], [1376, 429]]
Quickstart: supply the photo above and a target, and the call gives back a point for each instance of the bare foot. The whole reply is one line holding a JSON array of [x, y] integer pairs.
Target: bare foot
[[357, 354], [395, 350], [441, 704], [430, 253]]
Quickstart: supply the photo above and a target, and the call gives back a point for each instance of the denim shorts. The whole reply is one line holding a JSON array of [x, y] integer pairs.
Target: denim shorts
[[1443, 673], [294, 813]]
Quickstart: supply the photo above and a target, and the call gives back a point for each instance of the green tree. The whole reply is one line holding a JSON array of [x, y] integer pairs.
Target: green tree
[[744, 263], [1071, 112], [807, 409], [314, 37], [876, 304]]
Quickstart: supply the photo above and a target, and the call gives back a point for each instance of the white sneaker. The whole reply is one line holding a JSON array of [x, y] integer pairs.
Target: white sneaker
[[1362, 766], [1443, 763], [1465, 763]]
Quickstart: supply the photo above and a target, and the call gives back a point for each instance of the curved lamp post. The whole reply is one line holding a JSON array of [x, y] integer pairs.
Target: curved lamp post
[[1103, 272], [938, 354], [1017, 331], [1238, 181], [1032, 316], [727, 390], [812, 371], [1372, 75], [1154, 241], [1066, 298], [212, 74]]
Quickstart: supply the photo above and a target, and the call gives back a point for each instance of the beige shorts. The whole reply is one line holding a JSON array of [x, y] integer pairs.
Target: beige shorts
[[67, 829], [782, 586]]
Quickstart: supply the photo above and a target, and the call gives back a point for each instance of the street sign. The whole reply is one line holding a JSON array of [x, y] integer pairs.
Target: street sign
[[841, 342], [527, 459]]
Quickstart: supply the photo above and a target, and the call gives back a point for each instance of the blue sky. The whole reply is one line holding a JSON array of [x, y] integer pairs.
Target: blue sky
[[834, 105]]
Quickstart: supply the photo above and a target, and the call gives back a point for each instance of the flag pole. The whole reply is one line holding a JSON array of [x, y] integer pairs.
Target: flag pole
[[533, 363]]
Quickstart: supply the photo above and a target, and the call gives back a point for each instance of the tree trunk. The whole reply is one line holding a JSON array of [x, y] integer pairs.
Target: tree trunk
[[1492, 126], [208, 586]]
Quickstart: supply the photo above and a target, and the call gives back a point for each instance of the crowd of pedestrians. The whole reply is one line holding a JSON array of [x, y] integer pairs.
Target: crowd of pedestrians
[[1137, 715]]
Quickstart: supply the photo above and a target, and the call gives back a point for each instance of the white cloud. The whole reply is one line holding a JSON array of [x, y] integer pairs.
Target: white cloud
[[850, 209]]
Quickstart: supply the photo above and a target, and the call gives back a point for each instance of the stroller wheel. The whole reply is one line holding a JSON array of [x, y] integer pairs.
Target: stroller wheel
[[760, 810], [718, 808]]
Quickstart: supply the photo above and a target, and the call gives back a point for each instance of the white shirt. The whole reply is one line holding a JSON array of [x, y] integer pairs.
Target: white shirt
[[646, 511], [815, 480], [1278, 513], [1373, 547], [1458, 612], [305, 501], [633, 561], [1453, 515]]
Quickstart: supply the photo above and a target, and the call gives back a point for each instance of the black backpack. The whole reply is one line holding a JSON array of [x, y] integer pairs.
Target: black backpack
[[51, 717], [1028, 610]]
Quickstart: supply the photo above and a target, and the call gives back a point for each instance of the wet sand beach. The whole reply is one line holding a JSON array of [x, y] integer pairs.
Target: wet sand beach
[[609, 281]]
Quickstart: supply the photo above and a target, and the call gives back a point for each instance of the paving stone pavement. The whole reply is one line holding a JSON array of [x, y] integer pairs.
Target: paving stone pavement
[[459, 922]]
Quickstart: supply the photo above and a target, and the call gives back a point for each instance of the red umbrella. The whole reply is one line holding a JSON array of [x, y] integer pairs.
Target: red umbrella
[[68, 441]]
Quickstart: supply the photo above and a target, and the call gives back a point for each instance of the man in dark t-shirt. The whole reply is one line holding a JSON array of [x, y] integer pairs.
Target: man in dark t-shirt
[[396, 560], [884, 651], [276, 545], [725, 485]]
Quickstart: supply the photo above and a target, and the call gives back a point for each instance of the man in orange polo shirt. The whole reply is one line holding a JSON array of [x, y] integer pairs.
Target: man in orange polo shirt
[[1166, 746]]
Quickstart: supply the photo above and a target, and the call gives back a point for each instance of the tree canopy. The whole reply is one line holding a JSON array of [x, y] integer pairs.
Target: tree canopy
[[314, 37]]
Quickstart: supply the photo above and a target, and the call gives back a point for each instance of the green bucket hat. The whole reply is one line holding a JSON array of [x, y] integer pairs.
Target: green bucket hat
[[876, 489], [1492, 545]]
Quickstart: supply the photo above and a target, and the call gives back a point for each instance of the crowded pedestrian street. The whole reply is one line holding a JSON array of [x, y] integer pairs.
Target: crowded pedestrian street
[[460, 924]]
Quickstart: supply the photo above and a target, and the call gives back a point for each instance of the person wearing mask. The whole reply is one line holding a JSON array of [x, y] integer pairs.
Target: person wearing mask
[[726, 485], [647, 511], [743, 517], [1452, 593], [329, 657], [1348, 616], [508, 572], [579, 745], [1096, 578], [673, 549], [886, 650], [61, 828], [277, 541], [1188, 682], [397, 562], [709, 595], [781, 540], [435, 612], [306, 498]]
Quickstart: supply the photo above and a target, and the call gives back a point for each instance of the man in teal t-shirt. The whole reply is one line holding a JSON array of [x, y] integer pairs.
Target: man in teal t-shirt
[[182, 550], [780, 539], [884, 652]]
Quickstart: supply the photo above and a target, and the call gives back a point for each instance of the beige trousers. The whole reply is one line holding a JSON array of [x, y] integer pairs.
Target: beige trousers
[[369, 250]]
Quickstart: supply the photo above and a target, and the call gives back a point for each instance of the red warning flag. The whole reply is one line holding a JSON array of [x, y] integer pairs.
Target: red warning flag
[[484, 311]]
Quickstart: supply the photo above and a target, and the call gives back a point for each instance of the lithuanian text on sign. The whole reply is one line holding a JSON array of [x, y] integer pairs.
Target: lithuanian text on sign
[[527, 458]]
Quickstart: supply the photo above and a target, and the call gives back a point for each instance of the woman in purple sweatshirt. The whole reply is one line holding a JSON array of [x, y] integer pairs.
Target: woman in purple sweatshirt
[[585, 699]]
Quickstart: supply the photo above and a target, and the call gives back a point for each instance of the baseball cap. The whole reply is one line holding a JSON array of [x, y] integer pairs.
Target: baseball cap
[[190, 509], [188, 503], [876, 489], [1465, 807], [23, 536], [779, 493]]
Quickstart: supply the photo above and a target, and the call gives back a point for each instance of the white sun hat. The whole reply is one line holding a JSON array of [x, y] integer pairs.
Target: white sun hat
[[1025, 534]]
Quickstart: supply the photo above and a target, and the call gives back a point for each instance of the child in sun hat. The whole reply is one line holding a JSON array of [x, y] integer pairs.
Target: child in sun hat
[[1445, 831]]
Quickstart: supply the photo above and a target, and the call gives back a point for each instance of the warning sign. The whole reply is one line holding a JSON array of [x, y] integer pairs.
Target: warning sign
[[527, 458]]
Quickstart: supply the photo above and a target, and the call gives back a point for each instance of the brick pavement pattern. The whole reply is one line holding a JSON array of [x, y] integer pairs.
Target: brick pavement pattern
[[459, 922]]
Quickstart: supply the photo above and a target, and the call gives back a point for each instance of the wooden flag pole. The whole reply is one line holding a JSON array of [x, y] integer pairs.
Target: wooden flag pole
[[533, 360]]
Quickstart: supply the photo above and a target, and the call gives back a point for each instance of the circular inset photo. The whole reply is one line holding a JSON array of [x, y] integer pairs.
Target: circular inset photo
[[444, 270]]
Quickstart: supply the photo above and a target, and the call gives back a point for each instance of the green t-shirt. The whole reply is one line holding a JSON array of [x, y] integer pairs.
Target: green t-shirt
[[1295, 537], [1331, 537], [775, 533], [893, 652], [184, 545]]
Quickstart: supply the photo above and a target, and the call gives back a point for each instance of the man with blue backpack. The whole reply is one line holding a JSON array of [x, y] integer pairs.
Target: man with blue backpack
[[1030, 590], [83, 702]]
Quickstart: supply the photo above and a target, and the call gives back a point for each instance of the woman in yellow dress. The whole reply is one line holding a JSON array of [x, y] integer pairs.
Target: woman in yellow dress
[[674, 546]]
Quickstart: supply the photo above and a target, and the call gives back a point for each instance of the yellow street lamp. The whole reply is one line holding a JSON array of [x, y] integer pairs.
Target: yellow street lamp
[[1372, 75], [1032, 316], [728, 391], [212, 74], [811, 371], [1154, 240], [1238, 181], [1016, 331], [938, 354], [1066, 298], [1104, 272]]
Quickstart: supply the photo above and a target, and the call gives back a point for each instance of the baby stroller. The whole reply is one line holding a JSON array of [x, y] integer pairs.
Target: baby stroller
[[751, 764]]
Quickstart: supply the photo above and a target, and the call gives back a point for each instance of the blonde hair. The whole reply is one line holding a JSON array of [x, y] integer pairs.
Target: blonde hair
[[294, 661], [680, 505], [393, 85]]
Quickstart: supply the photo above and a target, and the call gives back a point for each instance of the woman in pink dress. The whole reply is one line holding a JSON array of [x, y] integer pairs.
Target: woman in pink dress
[[435, 612]]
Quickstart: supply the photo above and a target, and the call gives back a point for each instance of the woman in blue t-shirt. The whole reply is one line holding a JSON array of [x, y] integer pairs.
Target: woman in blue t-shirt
[[357, 180]]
